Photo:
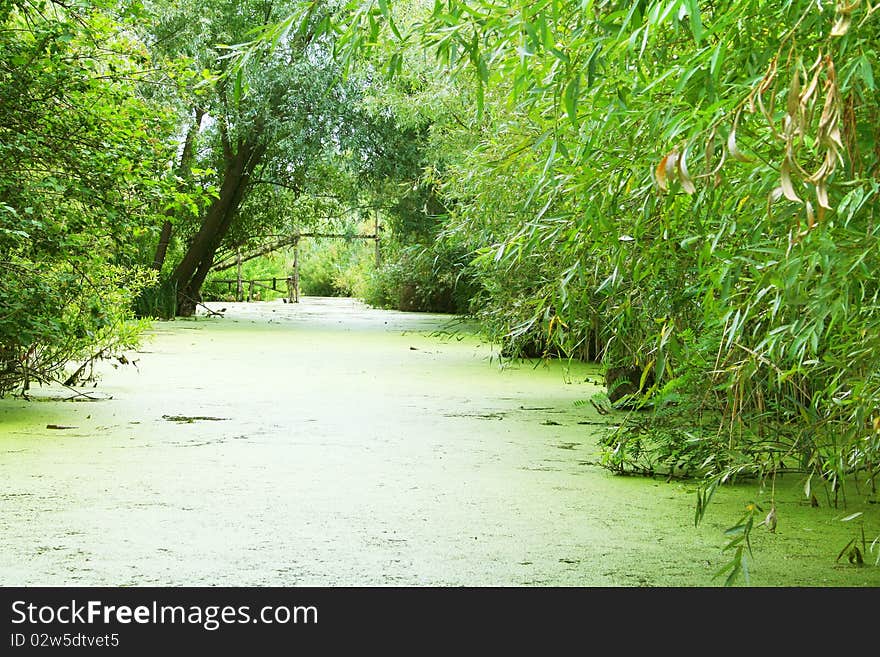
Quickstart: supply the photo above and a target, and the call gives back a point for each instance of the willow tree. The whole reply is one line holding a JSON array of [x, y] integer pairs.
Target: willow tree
[[276, 115]]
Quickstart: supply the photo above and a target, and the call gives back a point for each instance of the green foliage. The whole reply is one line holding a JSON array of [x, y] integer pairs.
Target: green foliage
[[418, 278], [83, 172], [335, 268], [157, 301], [739, 542]]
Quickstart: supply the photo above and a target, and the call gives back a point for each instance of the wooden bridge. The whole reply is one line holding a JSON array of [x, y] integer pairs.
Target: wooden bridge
[[291, 282]]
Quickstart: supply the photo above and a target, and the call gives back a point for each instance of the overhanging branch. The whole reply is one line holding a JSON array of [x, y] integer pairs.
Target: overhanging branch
[[287, 241]]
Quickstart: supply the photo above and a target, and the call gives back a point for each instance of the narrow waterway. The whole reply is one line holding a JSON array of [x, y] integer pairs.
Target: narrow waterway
[[327, 443]]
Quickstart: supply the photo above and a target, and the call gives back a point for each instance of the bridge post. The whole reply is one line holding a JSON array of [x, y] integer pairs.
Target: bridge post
[[295, 296], [376, 233], [239, 288]]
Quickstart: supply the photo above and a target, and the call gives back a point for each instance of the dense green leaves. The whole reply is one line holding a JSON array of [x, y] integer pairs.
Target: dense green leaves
[[83, 160]]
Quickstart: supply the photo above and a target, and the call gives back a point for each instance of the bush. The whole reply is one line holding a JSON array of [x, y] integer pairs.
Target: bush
[[53, 319], [426, 279]]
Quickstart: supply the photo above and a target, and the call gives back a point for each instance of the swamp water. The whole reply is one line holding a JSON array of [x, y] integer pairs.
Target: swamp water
[[326, 443]]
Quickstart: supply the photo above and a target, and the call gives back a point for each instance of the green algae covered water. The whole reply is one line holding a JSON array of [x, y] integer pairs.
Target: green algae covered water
[[327, 443]]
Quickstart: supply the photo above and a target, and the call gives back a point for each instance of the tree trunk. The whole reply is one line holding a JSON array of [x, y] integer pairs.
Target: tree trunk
[[194, 267], [162, 246], [183, 171]]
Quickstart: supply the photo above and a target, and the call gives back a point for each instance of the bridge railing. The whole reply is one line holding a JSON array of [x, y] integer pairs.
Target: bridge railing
[[291, 283]]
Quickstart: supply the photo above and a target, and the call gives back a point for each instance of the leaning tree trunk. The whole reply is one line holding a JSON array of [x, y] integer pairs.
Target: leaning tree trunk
[[196, 263], [207, 262], [183, 171]]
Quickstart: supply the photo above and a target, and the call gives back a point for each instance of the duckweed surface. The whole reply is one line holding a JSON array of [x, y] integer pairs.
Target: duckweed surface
[[328, 443]]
